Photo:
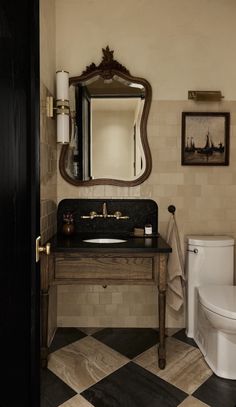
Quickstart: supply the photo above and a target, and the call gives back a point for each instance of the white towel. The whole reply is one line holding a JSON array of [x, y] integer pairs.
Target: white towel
[[175, 267]]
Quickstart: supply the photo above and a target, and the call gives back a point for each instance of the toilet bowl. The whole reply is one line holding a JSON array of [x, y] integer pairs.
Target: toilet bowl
[[219, 305], [211, 301], [216, 328]]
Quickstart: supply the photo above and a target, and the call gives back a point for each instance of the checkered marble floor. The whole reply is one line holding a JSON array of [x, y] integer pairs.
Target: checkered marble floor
[[117, 367]]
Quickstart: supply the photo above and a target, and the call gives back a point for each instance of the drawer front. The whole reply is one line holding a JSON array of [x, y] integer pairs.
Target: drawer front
[[112, 268]]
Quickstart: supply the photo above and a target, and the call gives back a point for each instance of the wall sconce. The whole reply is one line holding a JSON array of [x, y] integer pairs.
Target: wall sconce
[[62, 107], [205, 95]]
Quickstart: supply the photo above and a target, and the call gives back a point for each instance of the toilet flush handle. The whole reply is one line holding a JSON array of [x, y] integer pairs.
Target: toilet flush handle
[[193, 251]]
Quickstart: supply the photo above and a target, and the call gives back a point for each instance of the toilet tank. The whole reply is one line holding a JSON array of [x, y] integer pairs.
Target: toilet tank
[[209, 260]]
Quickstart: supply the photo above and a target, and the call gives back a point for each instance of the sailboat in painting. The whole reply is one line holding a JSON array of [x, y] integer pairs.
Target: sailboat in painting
[[209, 147], [209, 152]]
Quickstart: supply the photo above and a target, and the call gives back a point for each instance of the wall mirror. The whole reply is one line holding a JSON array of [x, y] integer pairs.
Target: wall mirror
[[109, 110]]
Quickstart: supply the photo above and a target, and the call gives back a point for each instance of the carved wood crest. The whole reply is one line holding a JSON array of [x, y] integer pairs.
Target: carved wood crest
[[107, 65]]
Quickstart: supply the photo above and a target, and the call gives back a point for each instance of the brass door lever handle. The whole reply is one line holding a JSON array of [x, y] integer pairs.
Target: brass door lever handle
[[41, 249], [45, 249]]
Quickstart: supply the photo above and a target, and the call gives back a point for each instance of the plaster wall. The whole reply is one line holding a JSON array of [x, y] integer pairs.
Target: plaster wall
[[176, 45]]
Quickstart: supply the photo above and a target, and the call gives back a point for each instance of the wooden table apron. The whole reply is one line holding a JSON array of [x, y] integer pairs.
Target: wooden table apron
[[49, 276]]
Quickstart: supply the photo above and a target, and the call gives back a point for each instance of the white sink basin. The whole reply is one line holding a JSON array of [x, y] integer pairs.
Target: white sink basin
[[104, 240]]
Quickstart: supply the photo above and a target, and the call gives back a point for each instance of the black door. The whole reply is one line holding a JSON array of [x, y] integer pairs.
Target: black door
[[19, 203]]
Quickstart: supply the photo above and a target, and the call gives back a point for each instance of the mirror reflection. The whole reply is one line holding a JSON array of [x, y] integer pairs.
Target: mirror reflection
[[108, 128]]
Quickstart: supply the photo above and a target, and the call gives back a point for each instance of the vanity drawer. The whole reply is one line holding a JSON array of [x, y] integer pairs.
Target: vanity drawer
[[107, 268]]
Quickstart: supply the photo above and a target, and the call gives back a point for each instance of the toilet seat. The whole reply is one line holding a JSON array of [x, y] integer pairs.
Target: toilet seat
[[219, 299]]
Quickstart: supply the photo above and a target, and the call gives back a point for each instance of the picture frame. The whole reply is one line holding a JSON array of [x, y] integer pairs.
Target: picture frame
[[205, 138]]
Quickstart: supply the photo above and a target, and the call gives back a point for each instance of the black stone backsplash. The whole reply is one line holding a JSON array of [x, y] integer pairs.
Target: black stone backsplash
[[140, 212]]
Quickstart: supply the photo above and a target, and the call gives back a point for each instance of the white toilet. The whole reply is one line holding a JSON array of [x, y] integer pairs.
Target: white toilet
[[211, 301]]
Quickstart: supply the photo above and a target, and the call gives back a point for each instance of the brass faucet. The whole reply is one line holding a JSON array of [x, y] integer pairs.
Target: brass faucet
[[93, 214]]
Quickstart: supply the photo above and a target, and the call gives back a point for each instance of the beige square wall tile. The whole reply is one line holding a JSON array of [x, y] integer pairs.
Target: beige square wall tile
[[105, 298], [117, 298]]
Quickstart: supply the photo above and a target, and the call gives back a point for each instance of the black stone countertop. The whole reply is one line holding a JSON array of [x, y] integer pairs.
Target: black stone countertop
[[75, 243]]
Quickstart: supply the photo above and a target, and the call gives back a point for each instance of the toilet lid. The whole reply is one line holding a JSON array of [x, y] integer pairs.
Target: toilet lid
[[210, 241], [219, 299]]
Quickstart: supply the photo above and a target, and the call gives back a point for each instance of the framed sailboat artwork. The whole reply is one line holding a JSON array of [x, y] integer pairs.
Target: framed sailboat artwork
[[205, 138]]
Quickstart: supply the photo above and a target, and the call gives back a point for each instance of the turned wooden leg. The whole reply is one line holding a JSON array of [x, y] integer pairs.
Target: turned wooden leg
[[162, 279]]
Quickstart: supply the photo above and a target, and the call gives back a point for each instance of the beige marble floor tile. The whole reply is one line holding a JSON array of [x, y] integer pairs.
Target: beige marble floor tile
[[76, 401], [90, 331], [185, 366], [192, 402], [85, 362]]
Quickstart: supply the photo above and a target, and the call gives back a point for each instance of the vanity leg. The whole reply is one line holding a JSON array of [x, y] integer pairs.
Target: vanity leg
[[162, 280]]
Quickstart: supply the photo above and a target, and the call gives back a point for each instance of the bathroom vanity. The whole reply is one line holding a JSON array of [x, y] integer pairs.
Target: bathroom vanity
[[109, 109], [135, 260]]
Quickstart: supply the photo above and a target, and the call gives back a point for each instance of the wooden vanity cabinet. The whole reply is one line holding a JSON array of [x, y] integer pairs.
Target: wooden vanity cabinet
[[73, 267]]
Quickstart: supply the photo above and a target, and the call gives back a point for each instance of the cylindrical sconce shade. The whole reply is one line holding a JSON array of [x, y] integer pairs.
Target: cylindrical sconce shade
[[63, 110], [62, 79], [63, 135]]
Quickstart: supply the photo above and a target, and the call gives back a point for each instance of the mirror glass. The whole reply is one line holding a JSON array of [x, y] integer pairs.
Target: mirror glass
[[108, 143]]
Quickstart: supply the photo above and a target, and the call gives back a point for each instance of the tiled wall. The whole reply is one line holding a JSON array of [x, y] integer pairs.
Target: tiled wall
[[113, 306], [205, 198]]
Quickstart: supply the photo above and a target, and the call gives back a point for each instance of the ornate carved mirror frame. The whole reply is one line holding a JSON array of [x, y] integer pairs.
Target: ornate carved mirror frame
[[107, 69]]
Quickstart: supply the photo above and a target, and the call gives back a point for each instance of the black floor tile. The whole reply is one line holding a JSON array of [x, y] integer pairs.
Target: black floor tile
[[133, 386], [217, 392], [54, 391], [65, 336], [181, 335], [128, 341]]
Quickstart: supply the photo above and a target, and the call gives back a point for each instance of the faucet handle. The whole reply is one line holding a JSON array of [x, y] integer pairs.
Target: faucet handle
[[118, 215], [91, 215]]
